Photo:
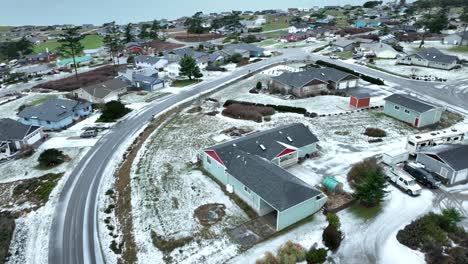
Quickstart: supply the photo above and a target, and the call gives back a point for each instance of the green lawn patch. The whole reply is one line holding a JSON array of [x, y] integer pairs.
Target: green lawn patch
[[365, 213], [89, 42], [345, 54], [38, 189], [183, 83], [275, 34], [266, 42], [274, 23], [462, 49]]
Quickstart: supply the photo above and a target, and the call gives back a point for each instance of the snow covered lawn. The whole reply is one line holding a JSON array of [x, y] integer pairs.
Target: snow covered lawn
[[9, 110]]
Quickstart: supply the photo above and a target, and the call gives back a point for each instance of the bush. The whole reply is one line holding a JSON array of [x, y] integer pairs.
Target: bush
[[316, 255], [253, 91], [131, 59], [364, 77], [112, 111], [375, 132], [368, 181], [279, 108], [269, 258], [247, 112], [236, 58], [291, 253], [332, 238], [259, 85], [333, 220], [51, 158], [358, 171]]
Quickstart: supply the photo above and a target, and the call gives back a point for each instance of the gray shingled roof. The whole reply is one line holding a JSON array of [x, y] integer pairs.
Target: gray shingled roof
[[433, 54], [13, 130], [343, 42], [410, 102], [454, 155], [53, 110], [300, 79], [101, 90], [146, 79], [246, 161], [146, 59], [244, 46], [361, 95]]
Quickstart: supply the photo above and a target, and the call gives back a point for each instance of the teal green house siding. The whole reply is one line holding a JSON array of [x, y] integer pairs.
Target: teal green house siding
[[412, 117], [214, 168], [309, 149], [300, 211]]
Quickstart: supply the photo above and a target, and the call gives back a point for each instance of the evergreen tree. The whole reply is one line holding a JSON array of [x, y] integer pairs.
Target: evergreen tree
[[189, 68], [154, 30], [70, 45], [144, 34], [464, 19], [111, 40], [370, 189], [194, 24], [128, 36]]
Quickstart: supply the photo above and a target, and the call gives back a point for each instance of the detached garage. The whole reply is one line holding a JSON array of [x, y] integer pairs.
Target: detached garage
[[360, 100]]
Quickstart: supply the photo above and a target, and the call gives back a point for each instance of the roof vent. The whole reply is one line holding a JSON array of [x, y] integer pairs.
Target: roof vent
[[234, 145], [454, 130], [63, 107], [290, 139], [323, 74], [418, 137], [262, 147], [280, 132]]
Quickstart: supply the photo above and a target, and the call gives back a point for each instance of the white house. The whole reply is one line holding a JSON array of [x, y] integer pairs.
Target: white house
[[150, 62], [380, 50]]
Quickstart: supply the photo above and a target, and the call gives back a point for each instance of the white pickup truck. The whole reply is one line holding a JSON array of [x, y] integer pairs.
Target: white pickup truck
[[403, 180]]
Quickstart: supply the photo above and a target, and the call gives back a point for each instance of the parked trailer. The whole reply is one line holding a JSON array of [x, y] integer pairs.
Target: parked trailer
[[394, 157], [449, 136]]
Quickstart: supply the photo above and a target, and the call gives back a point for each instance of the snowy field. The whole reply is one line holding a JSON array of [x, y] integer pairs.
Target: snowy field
[[166, 187]]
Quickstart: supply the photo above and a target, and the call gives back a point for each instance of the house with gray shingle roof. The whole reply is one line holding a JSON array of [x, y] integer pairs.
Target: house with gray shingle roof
[[312, 81], [432, 58], [14, 136], [253, 50], [449, 161], [455, 39], [252, 167], [103, 92], [150, 62], [55, 114], [412, 110]]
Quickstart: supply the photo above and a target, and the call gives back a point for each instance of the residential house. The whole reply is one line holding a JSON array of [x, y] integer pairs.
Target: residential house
[[68, 63], [312, 81], [253, 50], [343, 44], [379, 50], [44, 57], [147, 83], [103, 92], [432, 58], [33, 70], [133, 48], [97, 53], [363, 23], [55, 114], [412, 110], [456, 39], [252, 167], [303, 27], [174, 57], [449, 161], [150, 62], [15, 135]]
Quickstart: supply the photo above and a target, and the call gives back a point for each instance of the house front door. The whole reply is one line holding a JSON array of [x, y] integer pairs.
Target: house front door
[[416, 122]]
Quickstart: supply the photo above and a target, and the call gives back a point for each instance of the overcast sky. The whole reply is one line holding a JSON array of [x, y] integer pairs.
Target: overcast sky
[[48, 12]]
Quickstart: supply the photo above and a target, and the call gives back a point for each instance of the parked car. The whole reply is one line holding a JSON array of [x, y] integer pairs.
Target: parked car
[[403, 181], [422, 175], [334, 57], [89, 133]]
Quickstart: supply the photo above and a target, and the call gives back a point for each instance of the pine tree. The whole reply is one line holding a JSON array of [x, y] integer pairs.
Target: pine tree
[[189, 68], [154, 30], [464, 19], [70, 45], [128, 37], [370, 189]]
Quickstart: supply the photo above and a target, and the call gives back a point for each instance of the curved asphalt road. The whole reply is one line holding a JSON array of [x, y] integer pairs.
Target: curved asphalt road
[[74, 236]]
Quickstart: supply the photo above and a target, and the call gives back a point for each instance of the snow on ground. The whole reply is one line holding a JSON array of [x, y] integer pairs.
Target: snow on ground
[[411, 47], [9, 110]]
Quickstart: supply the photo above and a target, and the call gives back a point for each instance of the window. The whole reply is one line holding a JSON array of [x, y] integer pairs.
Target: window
[[208, 159], [411, 143], [397, 107], [247, 190], [407, 111]]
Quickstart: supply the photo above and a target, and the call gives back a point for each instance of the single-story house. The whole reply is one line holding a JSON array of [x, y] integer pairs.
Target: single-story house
[[312, 81], [412, 110], [366, 23], [68, 63], [252, 167], [103, 92], [40, 57], [254, 50], [174, 57], [147, 83], [455, 39], [33, 70], [449, 161], [97, 53], [432, 58], [379, 50], [55, 114], [360, 100], [343, 44], [150, 62], [14, 136]]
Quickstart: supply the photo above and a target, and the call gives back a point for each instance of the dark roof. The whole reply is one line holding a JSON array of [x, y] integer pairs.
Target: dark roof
[[136, 77], [361, 96], [53, 109], [410, 102], [433, 54], [244, 46], [454, 155], [101, 90], [14, 130], [300, 79], [147, 59], [246, 161]]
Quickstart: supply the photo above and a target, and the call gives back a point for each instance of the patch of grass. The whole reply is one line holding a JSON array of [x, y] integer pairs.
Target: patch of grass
[[88, 42], [462, 49], [38, 189], [275, 34], [266, 42], [449, 119], [42, 100], [7, 226], [274, 23], [345, 54], [365, 212], [183, 83]]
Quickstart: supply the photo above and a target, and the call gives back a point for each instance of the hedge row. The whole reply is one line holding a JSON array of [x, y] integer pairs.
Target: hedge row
[[363, 76], [279, 108]]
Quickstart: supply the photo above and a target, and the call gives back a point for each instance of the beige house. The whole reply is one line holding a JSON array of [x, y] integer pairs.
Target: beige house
[[102, 93]]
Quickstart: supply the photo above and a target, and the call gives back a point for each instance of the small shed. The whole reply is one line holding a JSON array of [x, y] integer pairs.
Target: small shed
[[360, 100]]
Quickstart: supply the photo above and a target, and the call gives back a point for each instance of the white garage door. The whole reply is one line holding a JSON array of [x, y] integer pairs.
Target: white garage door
[[353, 83], [34, 139], [342, 85]]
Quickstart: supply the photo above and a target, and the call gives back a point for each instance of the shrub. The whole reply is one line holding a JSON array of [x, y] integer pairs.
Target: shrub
[[291, 253], [333, 220], [358, 171], [370, 189], [332, 238], [279, 108], [269, 258], [112, 111], [236, 58], [131, 59], [51, 158], [253, 91], [375, 132], [316, 255], [259, 85], [247, 112]]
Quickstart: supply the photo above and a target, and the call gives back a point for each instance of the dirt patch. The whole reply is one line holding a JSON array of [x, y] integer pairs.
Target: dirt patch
[[196, 37], [167, 246], [158, 46], [84, 79], [210, 214]]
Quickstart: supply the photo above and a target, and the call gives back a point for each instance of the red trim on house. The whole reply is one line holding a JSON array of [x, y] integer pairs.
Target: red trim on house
[[214, 156], [285, 152]]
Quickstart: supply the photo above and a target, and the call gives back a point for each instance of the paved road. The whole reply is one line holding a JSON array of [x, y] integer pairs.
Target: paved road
[[74, 239]]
